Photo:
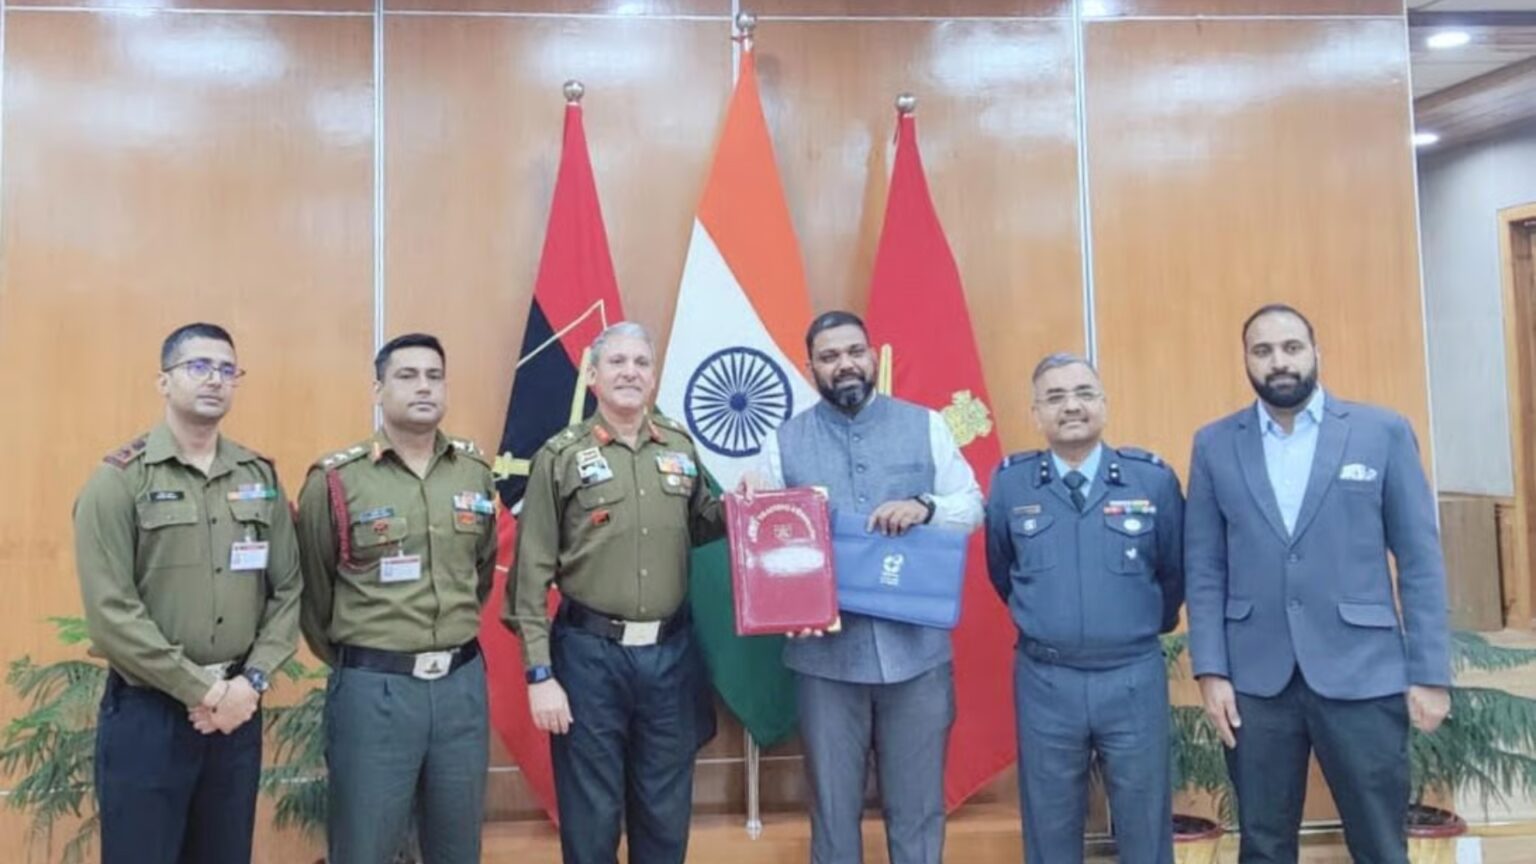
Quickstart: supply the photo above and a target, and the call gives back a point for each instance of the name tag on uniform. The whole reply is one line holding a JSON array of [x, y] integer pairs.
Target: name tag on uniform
[[400, 568], [593, 473], [249, 555]]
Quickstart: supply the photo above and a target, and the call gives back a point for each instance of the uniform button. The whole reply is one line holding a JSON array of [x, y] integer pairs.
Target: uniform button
[[642, 610], [218, 569], [642, 493], [214, 520], [645, 530], [1295, 604], [860, 468], [858, 437], [219, 620], [863, 498], [644, 572], [1294, 558]]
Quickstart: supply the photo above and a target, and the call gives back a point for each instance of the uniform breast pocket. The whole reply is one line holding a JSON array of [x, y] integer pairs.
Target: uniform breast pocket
[[168, 535], [377, 538], [254, 518], [1131, 546], [1034, 542], [599, 495]]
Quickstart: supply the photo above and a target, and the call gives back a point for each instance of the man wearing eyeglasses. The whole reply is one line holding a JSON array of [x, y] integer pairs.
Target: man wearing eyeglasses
[[189, 574], [1084, 545], [397, 537]]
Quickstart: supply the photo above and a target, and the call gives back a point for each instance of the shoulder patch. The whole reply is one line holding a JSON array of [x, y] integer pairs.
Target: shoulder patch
[[122, 456], [1140, 455], [1013, 459], [342, 457]]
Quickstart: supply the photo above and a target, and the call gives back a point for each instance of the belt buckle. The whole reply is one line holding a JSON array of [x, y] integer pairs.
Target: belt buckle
[[432, 665], [219, 671], [640, 633]]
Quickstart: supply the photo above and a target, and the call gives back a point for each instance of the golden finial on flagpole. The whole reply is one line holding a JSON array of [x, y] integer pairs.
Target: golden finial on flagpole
[[574, 90], [906, 103]]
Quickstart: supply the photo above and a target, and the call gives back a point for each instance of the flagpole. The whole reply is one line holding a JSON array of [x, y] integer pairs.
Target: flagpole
[[746, 28]]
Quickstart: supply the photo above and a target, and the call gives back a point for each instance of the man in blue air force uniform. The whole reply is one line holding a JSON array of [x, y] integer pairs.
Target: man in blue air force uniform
[[1084, 545]]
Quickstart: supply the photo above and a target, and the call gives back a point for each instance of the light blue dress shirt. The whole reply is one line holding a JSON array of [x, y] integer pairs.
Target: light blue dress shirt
[[1288, 458], [1089, 468]]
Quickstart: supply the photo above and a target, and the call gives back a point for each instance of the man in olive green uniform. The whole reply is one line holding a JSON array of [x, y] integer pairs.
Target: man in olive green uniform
[[612, 509], [190, 580], [398, 542]]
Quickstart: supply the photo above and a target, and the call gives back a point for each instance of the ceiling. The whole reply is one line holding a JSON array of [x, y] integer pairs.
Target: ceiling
[[1487, 84]]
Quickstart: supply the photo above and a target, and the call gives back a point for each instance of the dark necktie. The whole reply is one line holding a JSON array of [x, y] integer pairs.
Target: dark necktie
[[1075, 481]]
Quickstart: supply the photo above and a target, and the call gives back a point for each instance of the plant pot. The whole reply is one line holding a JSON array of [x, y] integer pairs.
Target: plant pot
[[1195, 840], [1432, 834]]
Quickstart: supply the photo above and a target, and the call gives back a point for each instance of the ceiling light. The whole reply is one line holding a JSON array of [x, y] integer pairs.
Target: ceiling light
[[1448, 39], [1424, 139]]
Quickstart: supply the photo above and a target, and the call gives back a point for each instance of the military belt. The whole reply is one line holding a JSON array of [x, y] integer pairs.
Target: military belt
[[425, 665]]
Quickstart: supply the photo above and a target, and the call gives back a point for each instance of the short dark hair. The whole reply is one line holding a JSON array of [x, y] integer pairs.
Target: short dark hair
[[829, 320], [1057, 361], [187, 332], [408, 340], [1278, 308]]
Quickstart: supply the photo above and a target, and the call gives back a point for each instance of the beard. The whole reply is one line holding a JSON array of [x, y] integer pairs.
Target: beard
[[1285, 391], [847, 392]]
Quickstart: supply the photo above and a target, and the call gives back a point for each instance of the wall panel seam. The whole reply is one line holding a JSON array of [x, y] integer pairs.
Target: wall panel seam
[[144, 13], [1084, 186]]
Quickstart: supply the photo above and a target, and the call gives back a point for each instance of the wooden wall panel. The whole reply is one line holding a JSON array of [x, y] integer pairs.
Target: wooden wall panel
[[998, 131], [140, 7], [1234, 163], [160, 169], [473, 124]]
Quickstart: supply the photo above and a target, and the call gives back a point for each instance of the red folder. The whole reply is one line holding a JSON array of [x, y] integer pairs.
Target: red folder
[[781, 561]]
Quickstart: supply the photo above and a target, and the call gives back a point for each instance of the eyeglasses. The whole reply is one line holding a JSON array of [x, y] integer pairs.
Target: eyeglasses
[[1058, 398], [201, 369]]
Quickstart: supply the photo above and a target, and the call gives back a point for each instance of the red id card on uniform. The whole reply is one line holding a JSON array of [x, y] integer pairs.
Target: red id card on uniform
[[781, 562]]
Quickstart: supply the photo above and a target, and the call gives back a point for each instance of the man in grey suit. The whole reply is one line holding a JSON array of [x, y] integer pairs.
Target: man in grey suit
[[1296, 639], [876, 685]]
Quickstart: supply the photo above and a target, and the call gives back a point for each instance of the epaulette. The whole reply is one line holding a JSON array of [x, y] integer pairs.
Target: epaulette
[[342, 457], [1140, 455], [1018, 459], [122, 456], [566, 437], [669, 424], [468, 448]]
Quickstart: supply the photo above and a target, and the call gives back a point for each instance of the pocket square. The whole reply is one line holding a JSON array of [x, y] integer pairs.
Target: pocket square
[[1357, 472]]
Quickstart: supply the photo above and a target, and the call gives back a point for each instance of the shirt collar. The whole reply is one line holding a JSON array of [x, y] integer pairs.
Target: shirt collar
[[1313, 411], [162, 446], [605, 434], [381, 444], [1089, 468]]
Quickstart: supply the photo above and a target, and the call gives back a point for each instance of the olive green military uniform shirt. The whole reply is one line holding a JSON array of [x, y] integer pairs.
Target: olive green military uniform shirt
[[164, 592], [611, 525], [446, 520]]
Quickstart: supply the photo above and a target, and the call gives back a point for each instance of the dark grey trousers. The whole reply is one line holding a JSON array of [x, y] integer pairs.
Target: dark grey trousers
[[399, 747], [1362, 746], [1065, 715], [907, 725]]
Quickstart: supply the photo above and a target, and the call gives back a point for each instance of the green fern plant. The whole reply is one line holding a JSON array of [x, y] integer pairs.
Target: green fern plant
[[52, 746], [1196, 758], [1487, 746]]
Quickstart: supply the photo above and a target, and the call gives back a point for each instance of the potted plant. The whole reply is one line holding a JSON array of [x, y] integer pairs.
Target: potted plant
[[51, 748], [1486, 747], [1196, 765]]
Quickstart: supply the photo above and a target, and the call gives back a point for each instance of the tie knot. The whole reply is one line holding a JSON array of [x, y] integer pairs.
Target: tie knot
[[1074, 480]]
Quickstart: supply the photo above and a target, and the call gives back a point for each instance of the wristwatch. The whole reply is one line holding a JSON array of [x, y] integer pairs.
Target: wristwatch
[[539, 674], [927, 501], [258, 680]]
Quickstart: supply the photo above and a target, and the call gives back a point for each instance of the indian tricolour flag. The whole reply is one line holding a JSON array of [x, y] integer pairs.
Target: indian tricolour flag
[[735, 370]]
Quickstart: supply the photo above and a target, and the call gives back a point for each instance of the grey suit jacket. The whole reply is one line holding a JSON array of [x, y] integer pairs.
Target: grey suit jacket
[[1262, 602]]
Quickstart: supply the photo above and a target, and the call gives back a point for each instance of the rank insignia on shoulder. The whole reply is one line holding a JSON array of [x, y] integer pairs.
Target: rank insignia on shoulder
[[1013, 459], [126, 453], [1139, 455]]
